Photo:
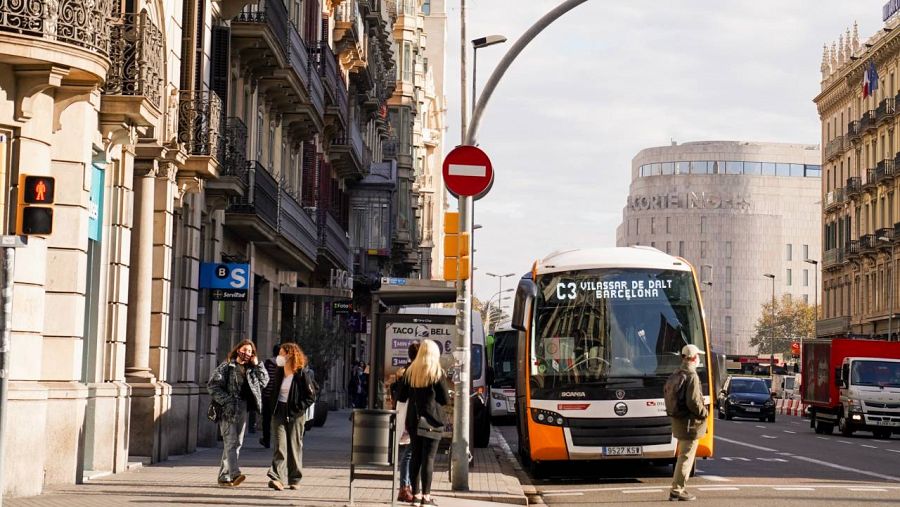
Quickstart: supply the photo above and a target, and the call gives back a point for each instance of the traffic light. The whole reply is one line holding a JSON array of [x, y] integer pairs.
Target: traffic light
[[456, 249], [36, 194]]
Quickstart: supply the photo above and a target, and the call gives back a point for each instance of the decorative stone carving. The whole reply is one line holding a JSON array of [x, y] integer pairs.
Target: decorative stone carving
[[171, 132]]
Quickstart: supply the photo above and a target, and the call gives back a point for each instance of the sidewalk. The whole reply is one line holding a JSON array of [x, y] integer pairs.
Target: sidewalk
[[191, 479]]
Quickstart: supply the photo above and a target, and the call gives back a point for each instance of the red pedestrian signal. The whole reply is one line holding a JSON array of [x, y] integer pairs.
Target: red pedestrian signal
[[38, 190], [35, 210]]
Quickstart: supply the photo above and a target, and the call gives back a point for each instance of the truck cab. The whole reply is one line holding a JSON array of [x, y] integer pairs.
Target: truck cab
[[869, 394]]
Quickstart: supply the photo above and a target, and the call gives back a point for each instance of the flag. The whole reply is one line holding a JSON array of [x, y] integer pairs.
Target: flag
[[873, 78], [866, 84]]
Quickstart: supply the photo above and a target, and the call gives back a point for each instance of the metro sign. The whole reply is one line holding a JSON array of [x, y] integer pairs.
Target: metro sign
[[468, 172]]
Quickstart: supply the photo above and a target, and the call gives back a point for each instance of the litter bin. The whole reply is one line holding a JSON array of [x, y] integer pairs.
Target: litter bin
[[373, 443]]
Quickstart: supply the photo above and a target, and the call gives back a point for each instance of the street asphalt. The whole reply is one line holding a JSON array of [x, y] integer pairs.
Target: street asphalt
[[782, 463]]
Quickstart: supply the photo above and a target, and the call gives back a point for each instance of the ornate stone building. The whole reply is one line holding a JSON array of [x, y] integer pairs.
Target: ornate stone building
[[859, 191], [226, 131]]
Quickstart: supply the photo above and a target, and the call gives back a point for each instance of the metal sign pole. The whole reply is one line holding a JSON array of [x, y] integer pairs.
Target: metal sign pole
[[459, 465], [9, 244]]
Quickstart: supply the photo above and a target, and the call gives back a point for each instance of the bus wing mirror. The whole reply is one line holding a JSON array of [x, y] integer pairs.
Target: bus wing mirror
[[525, 294]]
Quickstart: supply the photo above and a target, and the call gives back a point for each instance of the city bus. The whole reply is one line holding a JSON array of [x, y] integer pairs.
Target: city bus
[[601, 331]]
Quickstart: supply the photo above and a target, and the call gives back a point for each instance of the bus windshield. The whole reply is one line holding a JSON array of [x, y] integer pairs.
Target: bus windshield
[[592, 326]]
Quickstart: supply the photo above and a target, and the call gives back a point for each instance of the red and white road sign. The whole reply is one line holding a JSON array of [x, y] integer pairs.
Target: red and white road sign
[[468, 172]]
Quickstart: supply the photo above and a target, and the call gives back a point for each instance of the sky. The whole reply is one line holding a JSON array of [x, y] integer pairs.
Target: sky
[[611, 78]]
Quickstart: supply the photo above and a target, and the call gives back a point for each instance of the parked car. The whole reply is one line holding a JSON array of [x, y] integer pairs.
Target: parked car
[[746, 397]]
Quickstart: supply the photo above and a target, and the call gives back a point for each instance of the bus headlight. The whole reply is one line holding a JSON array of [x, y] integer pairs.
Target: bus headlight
[[547, 417]]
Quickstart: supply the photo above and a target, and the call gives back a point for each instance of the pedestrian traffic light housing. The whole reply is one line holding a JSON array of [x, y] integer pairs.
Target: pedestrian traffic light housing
[[456, 249], [35, 206]]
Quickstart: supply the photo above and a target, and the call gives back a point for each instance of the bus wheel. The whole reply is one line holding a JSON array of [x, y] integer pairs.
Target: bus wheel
[[538, 470]]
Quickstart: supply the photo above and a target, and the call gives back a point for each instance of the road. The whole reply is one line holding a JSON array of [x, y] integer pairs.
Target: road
[[782, 463]]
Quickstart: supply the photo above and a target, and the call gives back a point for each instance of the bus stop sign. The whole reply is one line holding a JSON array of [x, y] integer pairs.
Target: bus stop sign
[[468, 172]]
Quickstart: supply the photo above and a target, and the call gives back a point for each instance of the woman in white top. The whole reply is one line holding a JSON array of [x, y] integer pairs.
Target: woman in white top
[[294, 392]]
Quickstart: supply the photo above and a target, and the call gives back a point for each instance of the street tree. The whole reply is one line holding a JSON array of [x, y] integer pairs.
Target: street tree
[[791, 319]]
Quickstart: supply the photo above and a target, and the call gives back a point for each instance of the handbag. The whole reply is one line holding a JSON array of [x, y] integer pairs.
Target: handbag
[[426, 430]]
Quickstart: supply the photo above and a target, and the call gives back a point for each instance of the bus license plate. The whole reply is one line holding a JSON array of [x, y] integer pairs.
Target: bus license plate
[[622, 451]]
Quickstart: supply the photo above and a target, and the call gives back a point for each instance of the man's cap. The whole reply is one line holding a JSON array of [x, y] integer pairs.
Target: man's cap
[[691, 351]]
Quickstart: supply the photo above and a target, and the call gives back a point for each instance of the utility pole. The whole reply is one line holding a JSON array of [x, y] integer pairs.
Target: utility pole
[[459, 455]]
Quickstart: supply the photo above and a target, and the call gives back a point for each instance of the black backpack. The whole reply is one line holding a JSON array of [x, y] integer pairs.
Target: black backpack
[[674, 394]]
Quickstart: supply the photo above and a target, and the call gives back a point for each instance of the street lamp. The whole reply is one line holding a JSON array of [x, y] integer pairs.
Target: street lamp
[[890, 288], [500, 279], [481, 42], [815, 265], [772, 348]]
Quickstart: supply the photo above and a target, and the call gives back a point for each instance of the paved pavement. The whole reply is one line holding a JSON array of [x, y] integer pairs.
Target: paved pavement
[[191, 479], [781, 463]]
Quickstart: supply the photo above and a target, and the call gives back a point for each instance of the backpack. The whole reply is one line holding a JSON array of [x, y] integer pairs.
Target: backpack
[[674, 394]]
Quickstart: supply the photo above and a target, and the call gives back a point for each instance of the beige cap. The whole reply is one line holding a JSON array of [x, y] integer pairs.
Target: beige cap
[[691, 351]]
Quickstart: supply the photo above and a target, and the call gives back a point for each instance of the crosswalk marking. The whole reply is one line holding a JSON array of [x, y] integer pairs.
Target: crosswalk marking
[[845, 442], [789, 431], [793, 488], [635, 491], [716, 478], [823, 438], [869, 446], [893, 450], [717, 488], [769, 436], [868, 489]]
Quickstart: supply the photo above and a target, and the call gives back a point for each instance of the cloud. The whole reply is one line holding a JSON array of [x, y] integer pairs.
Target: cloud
[[611, 78]]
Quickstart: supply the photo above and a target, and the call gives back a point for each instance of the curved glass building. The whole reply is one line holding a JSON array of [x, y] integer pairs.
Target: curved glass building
[[736, 211]]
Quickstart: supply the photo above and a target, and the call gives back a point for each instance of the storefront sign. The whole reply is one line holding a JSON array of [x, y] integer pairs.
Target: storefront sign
[[688, 200], [340, 279], [226, 281], [95, 204], [341, 307]]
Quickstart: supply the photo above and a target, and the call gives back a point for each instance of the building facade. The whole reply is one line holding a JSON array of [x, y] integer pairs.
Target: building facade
[[225, 131], [860, 213], [735, 211]]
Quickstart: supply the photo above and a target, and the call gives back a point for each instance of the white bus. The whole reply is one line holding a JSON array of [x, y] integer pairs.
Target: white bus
[[602, 330]]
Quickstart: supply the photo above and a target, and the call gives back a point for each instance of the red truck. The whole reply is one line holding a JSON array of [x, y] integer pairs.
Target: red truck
[[852, 384]]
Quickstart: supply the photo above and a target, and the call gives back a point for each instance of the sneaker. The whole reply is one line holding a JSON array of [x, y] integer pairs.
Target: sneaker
[[429, 502], [405, 494], [684, 496], [225, 484], [276, 485], [238, 480]]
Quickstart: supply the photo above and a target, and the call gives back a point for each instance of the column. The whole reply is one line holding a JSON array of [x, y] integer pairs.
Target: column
[[146, 409]]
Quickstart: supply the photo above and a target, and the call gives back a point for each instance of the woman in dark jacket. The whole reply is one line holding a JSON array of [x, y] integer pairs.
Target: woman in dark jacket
[[294, 391], [425, 387], [236, 386]]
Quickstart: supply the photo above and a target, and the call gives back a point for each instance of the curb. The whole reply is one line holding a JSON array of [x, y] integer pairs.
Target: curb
[[531, 493]]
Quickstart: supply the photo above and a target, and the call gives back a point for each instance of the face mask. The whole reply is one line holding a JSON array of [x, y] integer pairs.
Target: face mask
[[279, 361]]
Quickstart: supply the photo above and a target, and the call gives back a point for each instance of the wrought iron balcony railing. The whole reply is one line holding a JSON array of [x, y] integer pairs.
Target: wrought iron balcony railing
[[316, 89], [235, 148], [835, 148], [835, 198], [82, 23], [871, 178], [200, 123], [333, 80], [884, 237], [136, 59], [296, 225], [867, 121], [298, 54], [261, 198], [852, 248], [854, 130], [271, 13], [833, 258], [885, 110], [854, 186], [867, 242]]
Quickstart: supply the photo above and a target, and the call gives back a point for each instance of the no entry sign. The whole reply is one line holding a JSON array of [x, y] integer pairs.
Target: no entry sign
[[468, 172]]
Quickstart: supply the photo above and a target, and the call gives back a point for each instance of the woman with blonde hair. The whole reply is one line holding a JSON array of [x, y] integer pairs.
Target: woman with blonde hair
[[425, 388], [294, 391], [236, 388]]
